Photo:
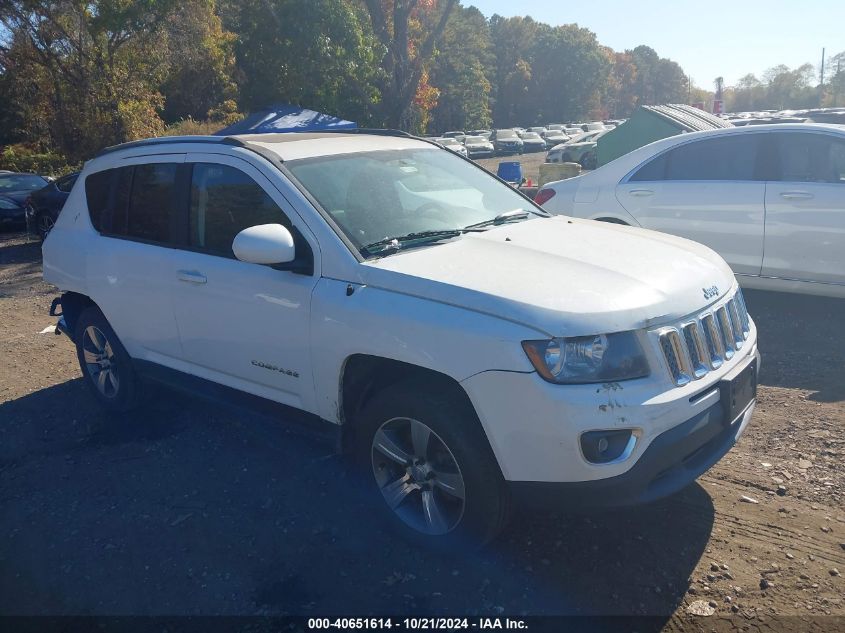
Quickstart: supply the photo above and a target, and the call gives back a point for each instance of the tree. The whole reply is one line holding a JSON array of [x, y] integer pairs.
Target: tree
[[461, 70], [201, 62], [312, 53], [408, 31], [96, 65]]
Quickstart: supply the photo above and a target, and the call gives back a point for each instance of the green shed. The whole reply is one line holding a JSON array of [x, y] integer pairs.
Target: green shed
[[652, 123]]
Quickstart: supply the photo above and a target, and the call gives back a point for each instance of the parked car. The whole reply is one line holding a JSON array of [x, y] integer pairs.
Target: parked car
[[594, 126], [770, 199], [458, 136], [506, 142], [539, 130], [453, 146], [378, 284], [44, 205], [15, 188], [554, 137], [580, 149], [479, 147], [485, 133], [533, 142]]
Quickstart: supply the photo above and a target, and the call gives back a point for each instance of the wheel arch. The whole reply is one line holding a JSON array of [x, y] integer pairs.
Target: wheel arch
[[74, 304], [364, 375]]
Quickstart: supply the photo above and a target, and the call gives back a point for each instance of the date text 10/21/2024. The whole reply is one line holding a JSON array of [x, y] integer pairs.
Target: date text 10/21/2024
[[447, 624]]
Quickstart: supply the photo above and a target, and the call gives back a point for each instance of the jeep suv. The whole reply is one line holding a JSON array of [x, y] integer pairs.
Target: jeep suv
[[468, 349]]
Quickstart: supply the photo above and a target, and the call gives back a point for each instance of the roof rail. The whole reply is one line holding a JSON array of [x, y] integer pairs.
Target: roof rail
[[161, 140], [229, 140]]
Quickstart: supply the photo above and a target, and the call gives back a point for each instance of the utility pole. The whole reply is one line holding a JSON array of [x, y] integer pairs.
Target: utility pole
[[822, 78]]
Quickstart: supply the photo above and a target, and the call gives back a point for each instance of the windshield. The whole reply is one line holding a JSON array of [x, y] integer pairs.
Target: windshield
[[506, 134], [21, 183], [378, 195], [475, 139], [448, 141], [531, 136]]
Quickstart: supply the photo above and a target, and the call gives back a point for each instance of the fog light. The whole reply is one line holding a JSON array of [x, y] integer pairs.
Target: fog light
[[602, 447]]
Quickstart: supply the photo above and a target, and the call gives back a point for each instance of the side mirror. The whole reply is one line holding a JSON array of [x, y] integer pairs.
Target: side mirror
[[264, 244]]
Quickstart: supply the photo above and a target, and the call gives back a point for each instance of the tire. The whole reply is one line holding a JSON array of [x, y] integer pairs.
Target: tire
[[456, 477], [43, 225], [106, 366]]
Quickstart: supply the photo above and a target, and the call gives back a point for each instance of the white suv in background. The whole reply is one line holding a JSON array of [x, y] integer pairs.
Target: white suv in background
[[770, 199], [468, 349]]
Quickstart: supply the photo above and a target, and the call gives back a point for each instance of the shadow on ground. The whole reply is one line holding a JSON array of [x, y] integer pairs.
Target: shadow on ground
[[184, 508], [801, 341]]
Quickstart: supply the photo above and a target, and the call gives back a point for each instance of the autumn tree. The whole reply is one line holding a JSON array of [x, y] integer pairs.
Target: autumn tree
[[408, 32]]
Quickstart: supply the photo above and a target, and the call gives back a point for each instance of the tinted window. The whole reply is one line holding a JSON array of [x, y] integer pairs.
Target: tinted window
[[66, 184], [153, 204], [225, 201], [712, 159], [811, 158], [730, 158], [97, 188]]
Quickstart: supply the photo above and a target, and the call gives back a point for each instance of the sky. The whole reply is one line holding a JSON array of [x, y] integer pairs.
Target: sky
[[708, 39]]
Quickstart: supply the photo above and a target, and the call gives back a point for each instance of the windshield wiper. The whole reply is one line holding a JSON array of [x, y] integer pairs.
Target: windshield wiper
[[502, 218], [393, 244]]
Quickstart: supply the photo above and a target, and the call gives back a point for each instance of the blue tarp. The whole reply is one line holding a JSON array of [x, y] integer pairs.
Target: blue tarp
[[286, 118]]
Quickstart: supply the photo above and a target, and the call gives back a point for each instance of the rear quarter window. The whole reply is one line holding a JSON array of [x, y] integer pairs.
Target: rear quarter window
[[97, 189]]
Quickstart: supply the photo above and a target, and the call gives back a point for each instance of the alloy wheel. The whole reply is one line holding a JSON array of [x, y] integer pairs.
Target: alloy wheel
[[418, 476], [100, 361]]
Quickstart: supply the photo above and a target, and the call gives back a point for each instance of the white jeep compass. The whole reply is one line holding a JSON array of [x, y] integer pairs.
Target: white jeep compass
[[466, 348]]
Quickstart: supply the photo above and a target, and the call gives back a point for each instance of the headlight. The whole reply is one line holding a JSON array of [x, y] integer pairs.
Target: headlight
[[8, 204], [586, 359]]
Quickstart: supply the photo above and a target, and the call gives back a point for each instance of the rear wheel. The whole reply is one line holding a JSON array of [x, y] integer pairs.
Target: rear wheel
[[435, 476], [43, 225], [106, 366]]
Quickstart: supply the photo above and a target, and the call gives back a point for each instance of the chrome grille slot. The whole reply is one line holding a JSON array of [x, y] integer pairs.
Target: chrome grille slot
[[726, 332], [714, 341], [698, 355], [743, 314], [706, 341], [670, 343], [736, 323]]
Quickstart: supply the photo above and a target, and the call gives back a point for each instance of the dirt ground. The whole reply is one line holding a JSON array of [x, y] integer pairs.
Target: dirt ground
[[187, 508]]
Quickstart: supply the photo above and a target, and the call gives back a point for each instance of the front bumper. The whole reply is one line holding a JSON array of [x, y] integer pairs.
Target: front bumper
[[535, 428], [673, 460]]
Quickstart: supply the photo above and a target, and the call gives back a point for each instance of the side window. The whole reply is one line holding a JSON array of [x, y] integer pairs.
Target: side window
[[725, 158], [651, 171], [97, 189], [153, 205], [225, 201], [811, 158], [66, 184]]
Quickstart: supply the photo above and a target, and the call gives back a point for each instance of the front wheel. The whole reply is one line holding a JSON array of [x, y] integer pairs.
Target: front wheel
[[106, 366], [435, 476]]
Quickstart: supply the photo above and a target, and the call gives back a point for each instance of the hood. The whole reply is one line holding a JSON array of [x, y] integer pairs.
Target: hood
[[561, 276]]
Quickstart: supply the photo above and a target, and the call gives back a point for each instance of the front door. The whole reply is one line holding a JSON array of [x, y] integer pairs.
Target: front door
[[243, 325], [708, 191]]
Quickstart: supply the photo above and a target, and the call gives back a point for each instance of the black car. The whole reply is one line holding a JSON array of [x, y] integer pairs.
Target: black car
[[46, 204], [14, 191], [506, 142]]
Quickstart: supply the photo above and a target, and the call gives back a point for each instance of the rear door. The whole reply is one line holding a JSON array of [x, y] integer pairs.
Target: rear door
[[709, 190], [137, 211], [805, 209]]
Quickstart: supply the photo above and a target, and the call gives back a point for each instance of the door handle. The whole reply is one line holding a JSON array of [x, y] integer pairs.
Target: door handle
[[192, 276], [641, 193], [796, 195]]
